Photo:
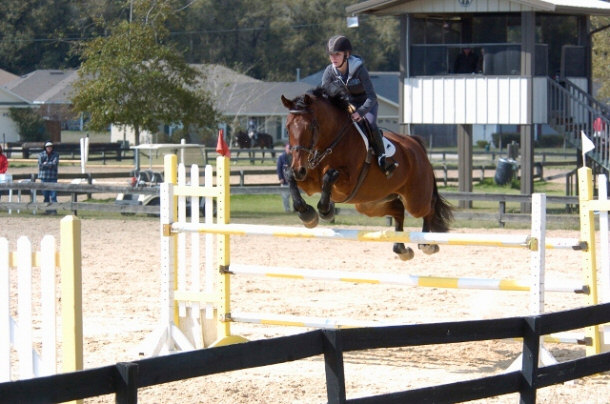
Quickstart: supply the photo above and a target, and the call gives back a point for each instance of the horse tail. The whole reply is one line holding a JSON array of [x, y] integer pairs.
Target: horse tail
[[443, 211]]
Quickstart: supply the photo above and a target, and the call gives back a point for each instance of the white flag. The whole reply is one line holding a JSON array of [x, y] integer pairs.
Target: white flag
[[587, 144]]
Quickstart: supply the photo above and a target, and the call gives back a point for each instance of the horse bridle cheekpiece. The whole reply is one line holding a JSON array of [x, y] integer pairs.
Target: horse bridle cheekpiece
[[314, 157]]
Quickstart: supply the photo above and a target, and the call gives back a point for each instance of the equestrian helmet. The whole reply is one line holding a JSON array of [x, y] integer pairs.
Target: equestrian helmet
[[338, 43]]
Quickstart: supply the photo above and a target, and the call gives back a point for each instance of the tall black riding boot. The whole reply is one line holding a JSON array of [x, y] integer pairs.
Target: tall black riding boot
[[387, 165]]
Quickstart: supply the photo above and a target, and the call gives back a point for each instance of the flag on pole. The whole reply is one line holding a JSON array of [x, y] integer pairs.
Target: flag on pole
[[587, 146], [221, 147]]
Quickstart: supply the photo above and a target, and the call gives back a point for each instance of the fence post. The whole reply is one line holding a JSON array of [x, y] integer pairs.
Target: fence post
[[589, 260], [333, 364], [529, 366], [71, 293], [127, 383]]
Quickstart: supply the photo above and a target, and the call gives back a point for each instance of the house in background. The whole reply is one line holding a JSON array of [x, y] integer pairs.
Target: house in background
[[46, 89], [238, 97], [386, 85]]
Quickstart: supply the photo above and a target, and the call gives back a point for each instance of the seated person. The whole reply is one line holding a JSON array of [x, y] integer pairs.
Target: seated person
[[466, 62]]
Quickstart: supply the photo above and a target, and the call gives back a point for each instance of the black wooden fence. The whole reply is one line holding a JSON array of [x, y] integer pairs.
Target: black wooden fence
[[570, 203], [124, 379]]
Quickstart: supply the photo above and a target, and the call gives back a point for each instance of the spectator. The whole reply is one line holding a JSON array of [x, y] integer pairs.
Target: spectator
[[283, 163], [3, 162], [466, 62], [48, 163]]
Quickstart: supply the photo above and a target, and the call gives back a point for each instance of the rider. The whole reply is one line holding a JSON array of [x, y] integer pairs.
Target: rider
[[252, 129], [347, 72]]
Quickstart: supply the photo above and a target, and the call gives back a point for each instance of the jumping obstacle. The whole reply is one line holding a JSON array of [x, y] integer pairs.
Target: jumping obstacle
[[19, 333], [181, 303]]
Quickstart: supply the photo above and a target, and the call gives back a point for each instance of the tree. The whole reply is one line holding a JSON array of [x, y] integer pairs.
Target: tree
[[132, 77], [36, 35], [601, 55], [29, 124]]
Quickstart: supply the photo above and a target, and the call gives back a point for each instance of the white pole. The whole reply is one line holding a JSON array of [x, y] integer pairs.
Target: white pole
[[84, 154], [537, 260], [603, 241]]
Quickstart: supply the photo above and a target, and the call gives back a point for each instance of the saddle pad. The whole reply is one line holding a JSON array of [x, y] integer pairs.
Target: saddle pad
[[389, 147]]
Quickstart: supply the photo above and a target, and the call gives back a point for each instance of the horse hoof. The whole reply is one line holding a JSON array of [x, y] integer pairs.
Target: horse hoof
[[429, 249], [309, 217], [312, 223], [330, 215], [404, 253]]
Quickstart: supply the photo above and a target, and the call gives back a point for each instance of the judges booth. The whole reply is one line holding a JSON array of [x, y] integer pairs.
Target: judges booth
[[530, 65]]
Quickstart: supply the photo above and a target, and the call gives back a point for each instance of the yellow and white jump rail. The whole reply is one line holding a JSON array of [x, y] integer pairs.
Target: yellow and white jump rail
[[195, 317]]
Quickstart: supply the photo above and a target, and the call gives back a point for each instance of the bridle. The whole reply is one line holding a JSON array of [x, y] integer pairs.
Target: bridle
[[314, 157]]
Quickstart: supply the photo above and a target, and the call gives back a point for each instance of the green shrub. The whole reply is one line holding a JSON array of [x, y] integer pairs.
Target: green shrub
[[550, 141], [507, 138], [29, 124], [482, 144]]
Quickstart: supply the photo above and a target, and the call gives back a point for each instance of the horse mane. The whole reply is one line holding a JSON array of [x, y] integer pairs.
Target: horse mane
[[338, 100]]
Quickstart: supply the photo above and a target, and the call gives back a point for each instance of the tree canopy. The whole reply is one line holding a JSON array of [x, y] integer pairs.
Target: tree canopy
[[266, 40], [132, 77], [601, 55]]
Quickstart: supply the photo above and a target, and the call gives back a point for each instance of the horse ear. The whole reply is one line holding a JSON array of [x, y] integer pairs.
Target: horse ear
[[287, 103]]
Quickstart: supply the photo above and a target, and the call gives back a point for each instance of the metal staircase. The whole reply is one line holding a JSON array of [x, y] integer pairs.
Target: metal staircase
[[572, 111]]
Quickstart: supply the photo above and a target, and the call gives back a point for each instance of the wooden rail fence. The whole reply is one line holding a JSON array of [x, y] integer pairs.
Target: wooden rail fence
[[124, 379]]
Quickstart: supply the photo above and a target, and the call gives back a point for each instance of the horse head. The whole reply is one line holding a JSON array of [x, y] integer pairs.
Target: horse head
[[315, 124]]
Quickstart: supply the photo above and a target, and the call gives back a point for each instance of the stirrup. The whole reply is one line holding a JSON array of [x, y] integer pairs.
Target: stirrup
[[387, 165]]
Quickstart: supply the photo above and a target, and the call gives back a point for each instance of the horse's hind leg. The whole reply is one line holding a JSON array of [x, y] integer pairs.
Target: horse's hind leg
[[437, 221], [403, 252], [326, 207], [428, 248], [391, 206]]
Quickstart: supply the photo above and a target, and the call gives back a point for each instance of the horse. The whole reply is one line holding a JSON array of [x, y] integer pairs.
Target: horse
[[330, 157], [260, 140]]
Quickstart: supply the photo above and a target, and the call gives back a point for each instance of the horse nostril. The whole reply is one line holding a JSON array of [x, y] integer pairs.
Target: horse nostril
[[302, 172], [299, 173]]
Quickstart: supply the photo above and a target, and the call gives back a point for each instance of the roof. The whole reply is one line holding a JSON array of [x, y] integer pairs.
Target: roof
[[574, 7], [5, 77], [44, 86], [386, 84], [56, 86], [221, 73], [258, 98]]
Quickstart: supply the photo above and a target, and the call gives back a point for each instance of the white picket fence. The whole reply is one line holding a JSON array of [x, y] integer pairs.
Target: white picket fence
[[29, 310]]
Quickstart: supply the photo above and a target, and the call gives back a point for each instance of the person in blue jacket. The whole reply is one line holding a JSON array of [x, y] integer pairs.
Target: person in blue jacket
[[346, 73], [48, 164]]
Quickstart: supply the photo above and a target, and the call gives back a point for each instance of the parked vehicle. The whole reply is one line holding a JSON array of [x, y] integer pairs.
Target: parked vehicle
[[149, 179]]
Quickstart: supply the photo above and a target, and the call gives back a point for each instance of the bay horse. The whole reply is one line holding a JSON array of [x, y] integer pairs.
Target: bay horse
[[329, 156], [260, 140]]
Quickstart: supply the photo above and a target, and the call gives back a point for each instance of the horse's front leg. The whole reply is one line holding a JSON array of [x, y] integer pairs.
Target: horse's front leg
[[307, 213], [326, 207]]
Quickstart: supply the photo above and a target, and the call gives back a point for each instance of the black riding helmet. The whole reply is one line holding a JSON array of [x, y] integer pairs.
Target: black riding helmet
[[338, 43]]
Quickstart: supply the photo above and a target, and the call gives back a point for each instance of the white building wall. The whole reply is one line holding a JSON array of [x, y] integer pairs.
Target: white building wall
[[8, 128], [483, 100], [122, 132]]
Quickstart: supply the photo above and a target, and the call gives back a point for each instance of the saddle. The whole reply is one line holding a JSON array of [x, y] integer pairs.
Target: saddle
[[388, 146]]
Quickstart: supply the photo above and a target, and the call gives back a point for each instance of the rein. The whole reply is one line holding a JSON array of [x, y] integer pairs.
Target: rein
[[314, 157]]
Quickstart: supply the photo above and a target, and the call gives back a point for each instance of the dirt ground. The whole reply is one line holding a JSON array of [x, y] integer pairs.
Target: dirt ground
[[121, 286]]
